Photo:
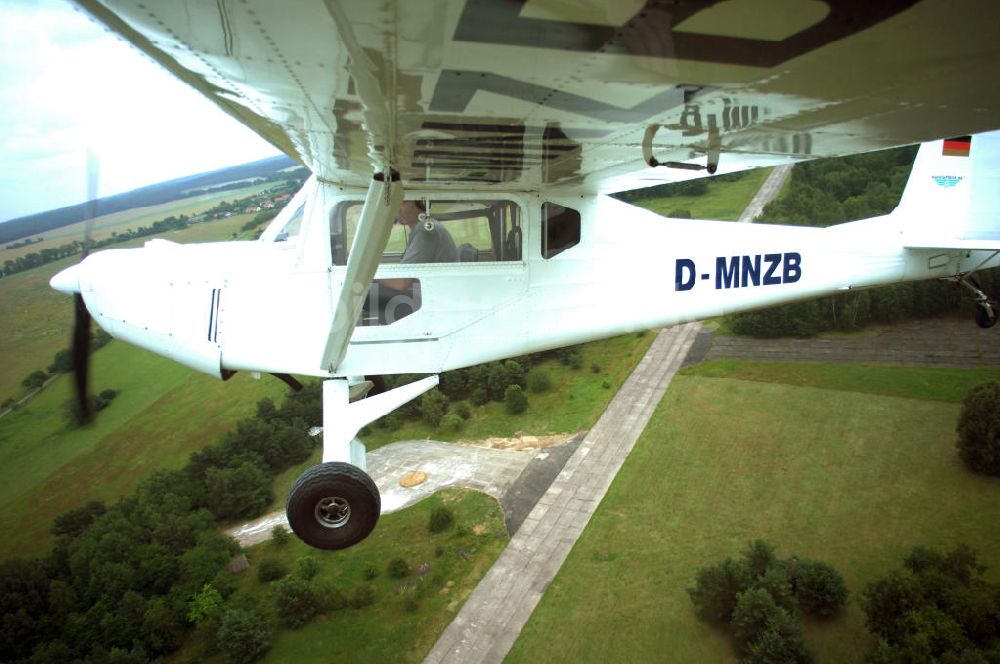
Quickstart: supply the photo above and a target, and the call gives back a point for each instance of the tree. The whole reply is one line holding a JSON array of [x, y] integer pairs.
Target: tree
[[34, 380], [979, 429], [243, 636], [715, 590], [514, 400], [206, 606], [238, 492], [76, 520], [433, 406], [295, 601], [820, 589]]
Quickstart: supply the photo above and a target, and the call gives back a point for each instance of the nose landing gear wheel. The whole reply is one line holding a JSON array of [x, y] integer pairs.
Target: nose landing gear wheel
[[333, 506]]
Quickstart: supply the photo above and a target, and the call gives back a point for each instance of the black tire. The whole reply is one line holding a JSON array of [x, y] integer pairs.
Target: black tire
[[986, 317], [333, 506]]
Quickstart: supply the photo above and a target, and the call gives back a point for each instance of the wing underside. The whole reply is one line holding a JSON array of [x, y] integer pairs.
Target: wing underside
[[526, 94]]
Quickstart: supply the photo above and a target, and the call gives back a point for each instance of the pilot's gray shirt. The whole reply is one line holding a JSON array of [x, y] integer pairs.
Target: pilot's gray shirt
[[430, 246]]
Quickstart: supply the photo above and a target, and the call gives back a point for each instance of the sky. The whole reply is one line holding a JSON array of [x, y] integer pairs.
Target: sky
[[68, 85]]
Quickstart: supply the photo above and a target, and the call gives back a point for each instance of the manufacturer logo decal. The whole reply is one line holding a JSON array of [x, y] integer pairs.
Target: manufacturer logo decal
[[948, 180]]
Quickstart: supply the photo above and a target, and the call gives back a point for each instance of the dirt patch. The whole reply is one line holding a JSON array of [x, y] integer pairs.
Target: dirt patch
[[412, 479], [522, 443]]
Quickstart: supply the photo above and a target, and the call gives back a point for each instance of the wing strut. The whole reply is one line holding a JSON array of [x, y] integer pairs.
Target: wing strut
[[377, 216]]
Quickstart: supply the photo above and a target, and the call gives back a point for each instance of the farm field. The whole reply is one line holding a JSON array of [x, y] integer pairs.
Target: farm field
[[848, 473]]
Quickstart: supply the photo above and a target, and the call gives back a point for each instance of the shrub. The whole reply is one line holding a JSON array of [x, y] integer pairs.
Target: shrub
[[479, 396], [433, 406], [398, 568], [243, 636], [331, 598], [34, 380], [979, 429], [595, 368], [294, 601], [819, 589], [606, 384], [271, 569], [371, 572], [306, 567], [441, 519], [514, 400], [364, 595], [280, 536], [452, 422], [463, 411], [539, 381]]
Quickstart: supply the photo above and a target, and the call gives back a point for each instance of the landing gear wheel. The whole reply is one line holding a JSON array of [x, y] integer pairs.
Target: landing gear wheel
[[333, 506], [986, 316]]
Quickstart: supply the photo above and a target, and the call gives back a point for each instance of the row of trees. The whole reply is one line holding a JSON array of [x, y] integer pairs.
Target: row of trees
[[831, 191], [62, 363]]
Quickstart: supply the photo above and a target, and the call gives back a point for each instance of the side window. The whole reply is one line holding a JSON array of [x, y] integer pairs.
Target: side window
[[442, 231], [560, 229]]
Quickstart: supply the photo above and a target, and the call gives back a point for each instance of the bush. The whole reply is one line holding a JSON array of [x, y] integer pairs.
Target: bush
[[979, 429], [441, 519], [398, 568], [331, 598], [306, 567], [452, 422], [364, 595], [243, 636], [595, 368], [271, 569], [463, 411], [538, 381], [371, 572], [433, 406], [280, 536], [819, 589], [34, 380], [479, 396], [294, 601], [514, 400]]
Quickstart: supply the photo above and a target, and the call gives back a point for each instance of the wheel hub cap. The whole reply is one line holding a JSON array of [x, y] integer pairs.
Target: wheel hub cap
[[333, 512]]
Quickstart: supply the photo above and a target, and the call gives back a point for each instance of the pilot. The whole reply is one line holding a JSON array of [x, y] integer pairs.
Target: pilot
[[428, 243]]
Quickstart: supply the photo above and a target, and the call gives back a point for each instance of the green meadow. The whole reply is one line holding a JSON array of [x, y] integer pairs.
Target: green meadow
[[851, 465], [725, 201]]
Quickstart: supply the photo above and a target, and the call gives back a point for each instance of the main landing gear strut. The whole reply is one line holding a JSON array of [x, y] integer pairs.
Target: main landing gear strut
[[335, 504], [986, 307]]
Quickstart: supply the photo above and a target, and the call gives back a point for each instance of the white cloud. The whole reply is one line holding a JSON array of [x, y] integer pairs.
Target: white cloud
[[66, 83]]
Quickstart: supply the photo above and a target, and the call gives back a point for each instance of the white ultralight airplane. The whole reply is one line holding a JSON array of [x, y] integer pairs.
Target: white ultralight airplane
[[495, 129]]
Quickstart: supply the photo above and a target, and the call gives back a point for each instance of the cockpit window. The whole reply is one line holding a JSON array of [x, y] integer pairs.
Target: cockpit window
[[438, 231]]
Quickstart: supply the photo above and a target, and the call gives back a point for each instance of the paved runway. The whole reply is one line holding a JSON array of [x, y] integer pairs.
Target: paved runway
[[492, 618]]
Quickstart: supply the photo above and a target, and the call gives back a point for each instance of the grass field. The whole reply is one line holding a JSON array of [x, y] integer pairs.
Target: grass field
[[725, 201], [388, 630], [819, 462], [163, 413]]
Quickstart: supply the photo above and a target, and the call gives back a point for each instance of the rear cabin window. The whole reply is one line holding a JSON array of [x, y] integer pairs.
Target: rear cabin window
[[560, 229], [481, 232]]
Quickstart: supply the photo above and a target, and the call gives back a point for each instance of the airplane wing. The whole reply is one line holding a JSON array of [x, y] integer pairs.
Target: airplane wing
[[525, 94]]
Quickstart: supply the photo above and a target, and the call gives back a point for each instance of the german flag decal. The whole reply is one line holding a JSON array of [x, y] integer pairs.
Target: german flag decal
[[957, 147]]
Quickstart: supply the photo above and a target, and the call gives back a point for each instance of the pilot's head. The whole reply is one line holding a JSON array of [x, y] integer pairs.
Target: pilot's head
[[409, 213]]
